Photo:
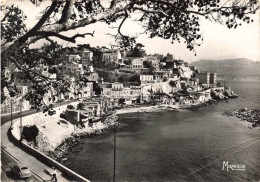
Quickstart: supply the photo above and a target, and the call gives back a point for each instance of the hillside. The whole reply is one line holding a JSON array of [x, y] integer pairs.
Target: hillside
[[232, 69]]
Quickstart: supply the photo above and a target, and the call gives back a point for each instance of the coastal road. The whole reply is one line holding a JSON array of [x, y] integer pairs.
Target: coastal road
[[33, 163], [6, 173], [7, 118]]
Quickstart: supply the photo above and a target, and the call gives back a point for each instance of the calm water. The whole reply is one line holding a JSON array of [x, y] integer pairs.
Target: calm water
[[188, 145]]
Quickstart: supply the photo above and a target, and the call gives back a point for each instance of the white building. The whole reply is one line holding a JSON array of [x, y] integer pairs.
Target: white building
[[73, 66], [146, 78], [117, 90], [111, 56], [137, 64]]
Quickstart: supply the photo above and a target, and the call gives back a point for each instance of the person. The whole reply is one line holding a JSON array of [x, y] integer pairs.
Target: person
[[54, 174]]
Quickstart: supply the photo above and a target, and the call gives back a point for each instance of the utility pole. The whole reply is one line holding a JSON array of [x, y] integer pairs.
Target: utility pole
[[21, 120], [114, 174], [11, 112], [138, 114]]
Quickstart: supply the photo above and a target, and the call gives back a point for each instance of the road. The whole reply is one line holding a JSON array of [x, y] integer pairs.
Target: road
[[8, 160], [6, 173], [7, 118]]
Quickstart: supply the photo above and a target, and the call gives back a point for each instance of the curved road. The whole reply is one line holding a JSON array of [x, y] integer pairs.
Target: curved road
[[11, 154], [7, 175]]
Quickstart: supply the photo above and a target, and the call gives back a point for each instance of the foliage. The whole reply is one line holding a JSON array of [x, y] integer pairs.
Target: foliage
[[172, 83], [97, 88], [124, 78], [121, 101], [70, 116], [108, 76], [30, 132], [136, 51], [80, 106], [147, 64], [70, 107], [12, 24], [127, 62], [135, 78]]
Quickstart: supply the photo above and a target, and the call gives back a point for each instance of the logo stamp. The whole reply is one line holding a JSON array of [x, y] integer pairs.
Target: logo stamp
[[233, 167]]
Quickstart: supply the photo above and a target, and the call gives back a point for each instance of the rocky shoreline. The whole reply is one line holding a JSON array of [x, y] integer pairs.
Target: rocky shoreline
[[250, 115], [63, 151]]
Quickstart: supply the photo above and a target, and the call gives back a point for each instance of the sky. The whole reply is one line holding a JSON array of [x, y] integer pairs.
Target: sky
[[219, 41]]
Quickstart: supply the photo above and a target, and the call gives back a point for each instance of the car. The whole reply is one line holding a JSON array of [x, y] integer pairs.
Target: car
[[21, 170]]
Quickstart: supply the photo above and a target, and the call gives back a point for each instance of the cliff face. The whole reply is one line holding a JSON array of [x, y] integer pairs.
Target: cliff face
[[233, 69]]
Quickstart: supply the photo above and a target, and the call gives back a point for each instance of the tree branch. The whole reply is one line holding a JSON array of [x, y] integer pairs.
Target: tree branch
[[40, 22], [63, 37], [66, 12]]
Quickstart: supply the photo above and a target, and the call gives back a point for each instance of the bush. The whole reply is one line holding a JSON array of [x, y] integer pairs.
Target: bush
[[63, 115], [70, 107], [80, 106], [30, 133], [135, 78]]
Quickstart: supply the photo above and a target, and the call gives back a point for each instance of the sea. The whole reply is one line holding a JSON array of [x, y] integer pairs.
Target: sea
[[198, 144]]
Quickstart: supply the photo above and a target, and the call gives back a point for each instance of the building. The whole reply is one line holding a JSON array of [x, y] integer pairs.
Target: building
[[213, 78], [87, 57], [117, 90], [146, 79], [162, 74], [95, 107], [112, 56], [137, 64], [117, 86], [72, 66], [204, 78], [74, 58], [88, 90], [154, 61]]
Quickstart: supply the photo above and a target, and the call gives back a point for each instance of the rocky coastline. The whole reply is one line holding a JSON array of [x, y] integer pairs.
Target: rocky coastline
[[108, 121], [63, 151], [245, 114]]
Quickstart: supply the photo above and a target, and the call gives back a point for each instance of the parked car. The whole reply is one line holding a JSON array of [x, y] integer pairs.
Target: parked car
[[21, 170]]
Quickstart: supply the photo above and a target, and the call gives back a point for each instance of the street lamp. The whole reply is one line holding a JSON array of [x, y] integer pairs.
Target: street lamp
[[115, 129]]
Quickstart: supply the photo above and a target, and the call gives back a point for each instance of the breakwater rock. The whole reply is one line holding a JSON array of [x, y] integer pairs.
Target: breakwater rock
[[221, 94], [250, 115]]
